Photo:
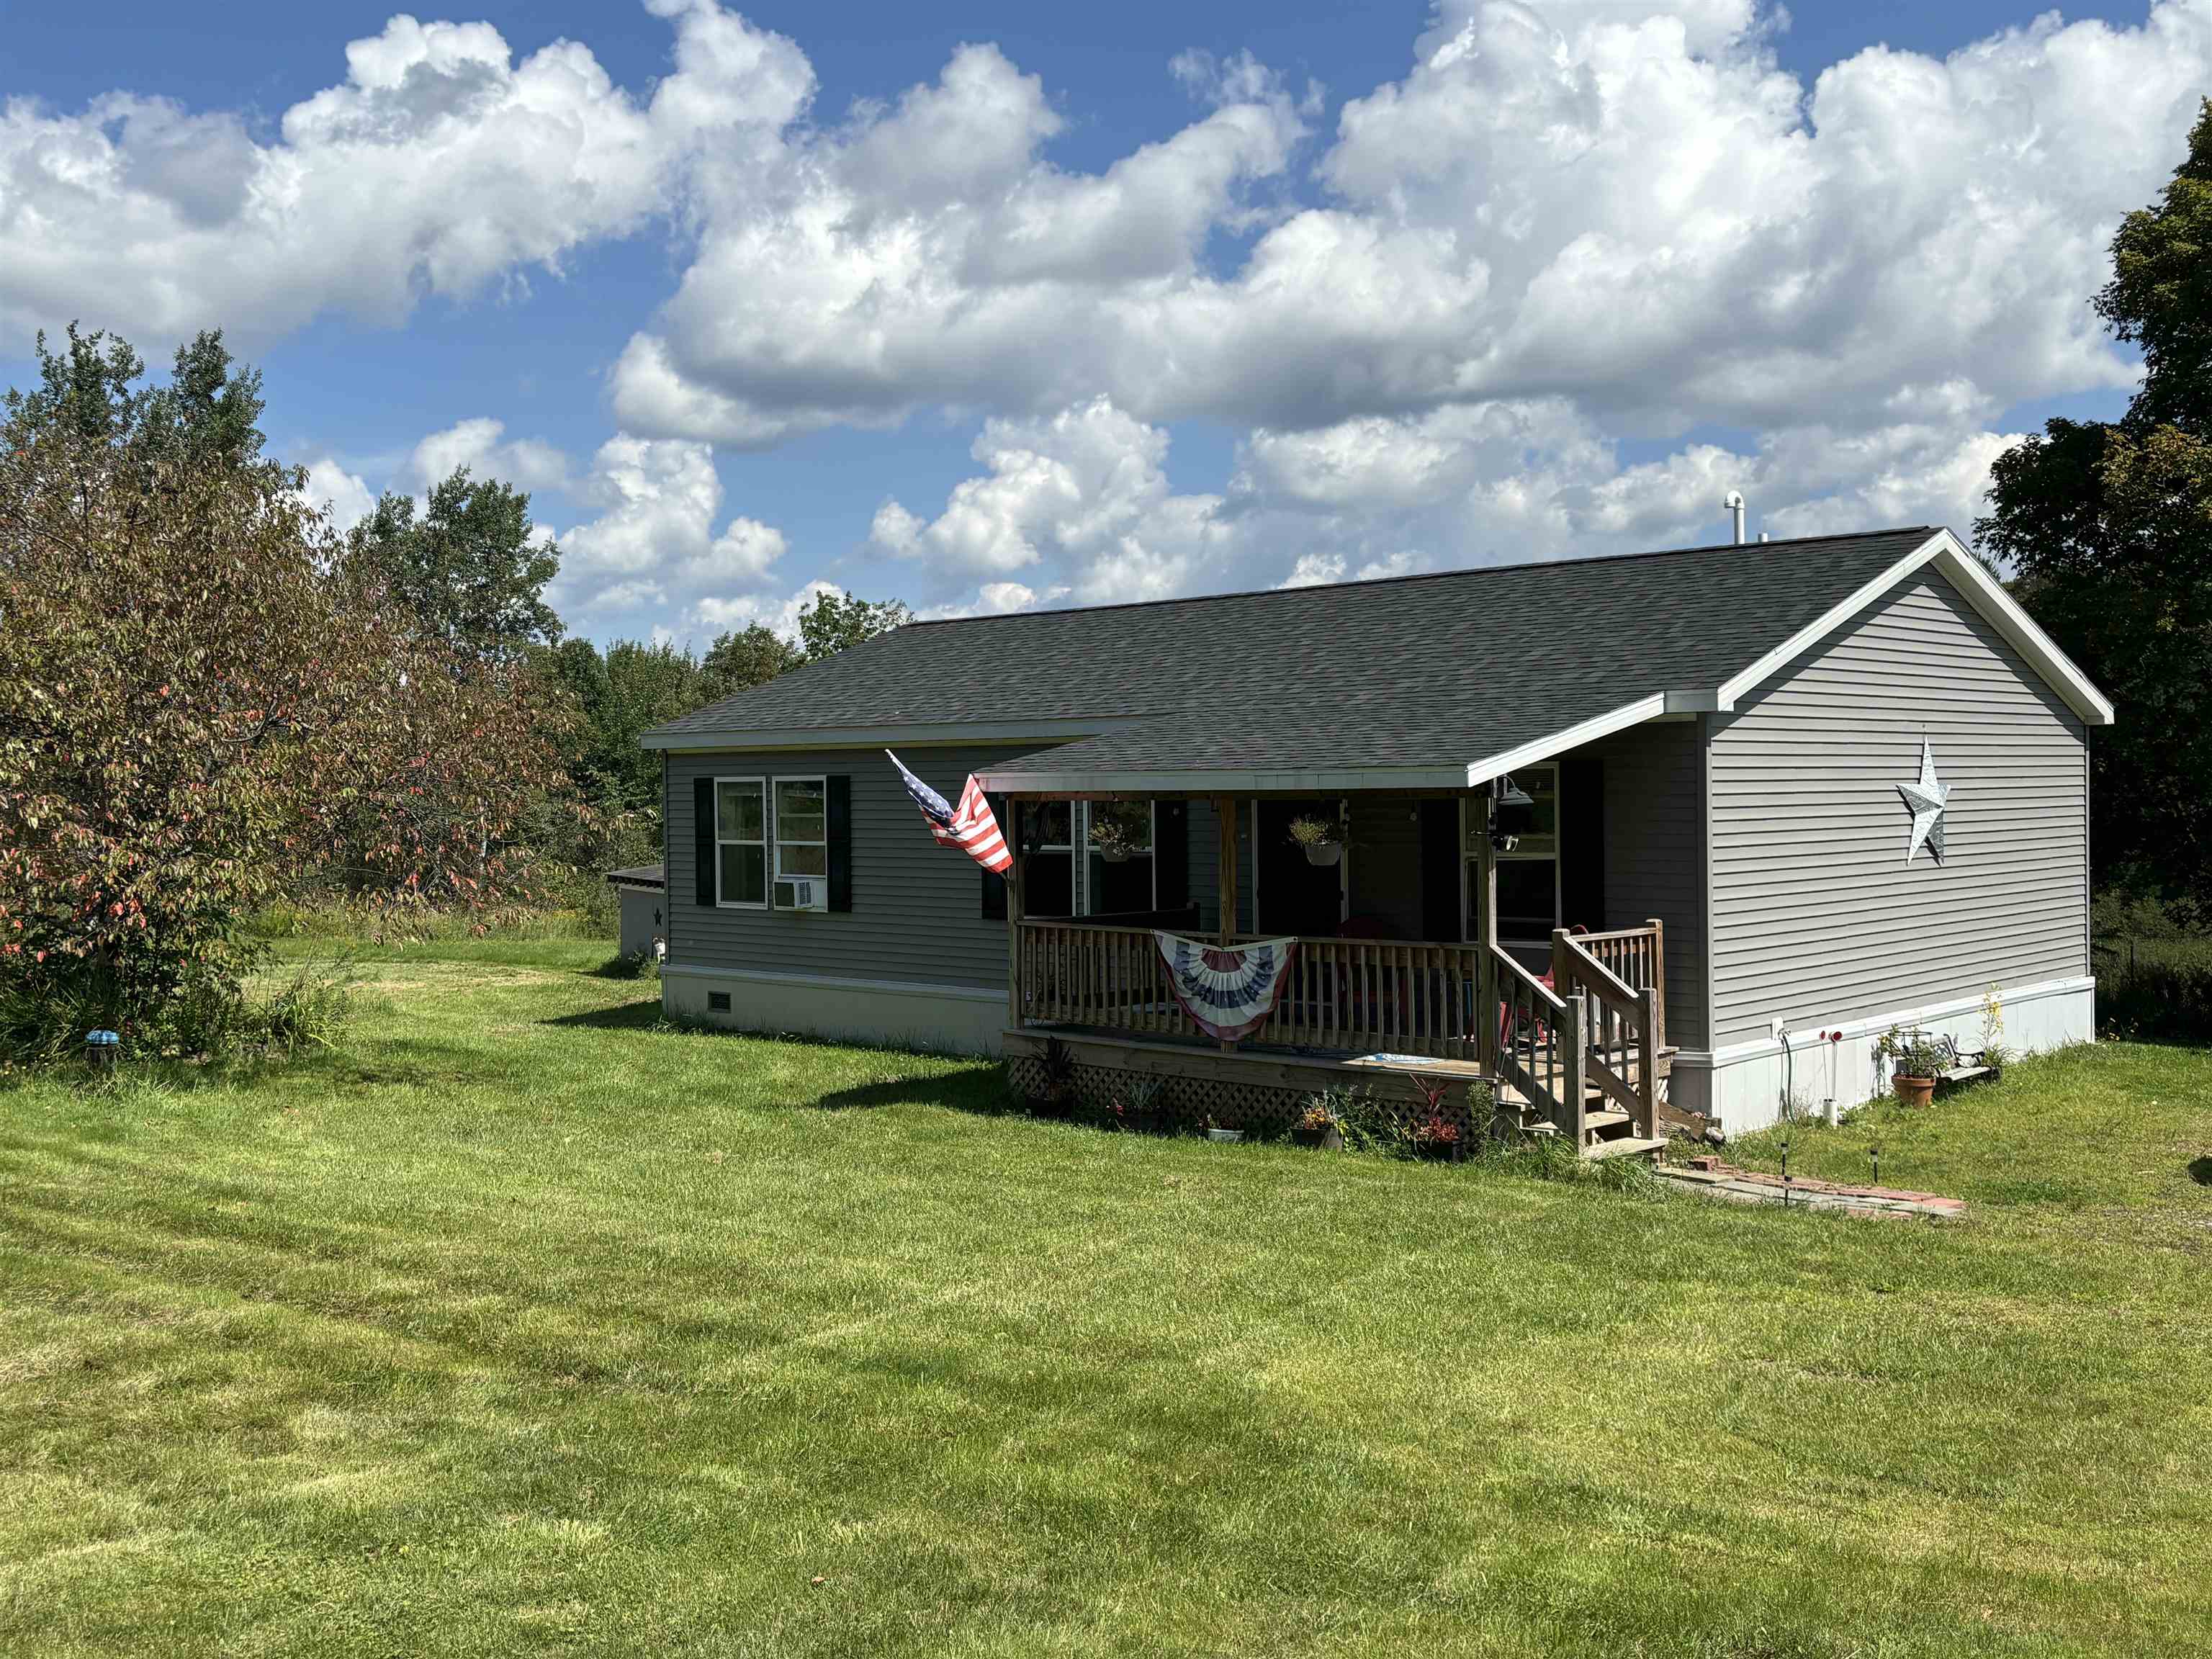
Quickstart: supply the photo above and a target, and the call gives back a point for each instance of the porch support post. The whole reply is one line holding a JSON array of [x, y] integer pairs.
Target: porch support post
[[1225, 813], [1014, 1010], [1485, 929], [1225, 809]]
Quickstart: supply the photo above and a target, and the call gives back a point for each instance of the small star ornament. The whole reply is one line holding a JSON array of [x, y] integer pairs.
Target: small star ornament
[[1927, 799]]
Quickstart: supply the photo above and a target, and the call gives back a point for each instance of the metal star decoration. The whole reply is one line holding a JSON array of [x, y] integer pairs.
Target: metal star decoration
[[1927, 798]]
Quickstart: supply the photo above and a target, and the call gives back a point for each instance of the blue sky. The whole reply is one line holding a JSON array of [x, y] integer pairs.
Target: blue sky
[[1177, 425]]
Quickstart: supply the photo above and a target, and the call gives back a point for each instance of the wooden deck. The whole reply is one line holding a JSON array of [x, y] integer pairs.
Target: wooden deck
[[1579, 1052]]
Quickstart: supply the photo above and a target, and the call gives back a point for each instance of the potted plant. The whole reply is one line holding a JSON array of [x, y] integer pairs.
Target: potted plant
[[1321, 1123], [1215, 1132], [1321, 838], [1917, 1060], [1435, 1131], [1437, 1137], [1057, 1096]]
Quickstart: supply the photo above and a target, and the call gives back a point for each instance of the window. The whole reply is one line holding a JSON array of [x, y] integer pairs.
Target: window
[[1529, 874], [1048, 864], [741, 843], [802, 828], [1116, 873], [1119, 873]]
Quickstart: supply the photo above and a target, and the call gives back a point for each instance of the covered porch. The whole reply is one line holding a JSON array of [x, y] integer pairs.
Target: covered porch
[[1442, 938]]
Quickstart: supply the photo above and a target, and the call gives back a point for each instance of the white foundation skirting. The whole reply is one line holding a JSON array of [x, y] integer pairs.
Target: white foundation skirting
[[947, 1018], [1742, 1083]]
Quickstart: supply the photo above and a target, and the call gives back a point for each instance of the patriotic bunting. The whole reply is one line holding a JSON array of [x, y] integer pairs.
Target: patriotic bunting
[[1227, 990]]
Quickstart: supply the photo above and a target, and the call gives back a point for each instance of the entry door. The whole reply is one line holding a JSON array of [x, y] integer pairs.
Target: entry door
[[1296, 897]]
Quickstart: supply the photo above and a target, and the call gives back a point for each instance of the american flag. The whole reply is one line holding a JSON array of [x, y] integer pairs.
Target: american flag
[[968, 826]]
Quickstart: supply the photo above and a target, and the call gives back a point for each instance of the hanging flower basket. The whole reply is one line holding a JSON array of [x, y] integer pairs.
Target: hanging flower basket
[[1320, 839]]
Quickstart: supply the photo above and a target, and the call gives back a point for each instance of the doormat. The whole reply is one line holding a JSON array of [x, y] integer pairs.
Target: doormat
[[1715, 1179]]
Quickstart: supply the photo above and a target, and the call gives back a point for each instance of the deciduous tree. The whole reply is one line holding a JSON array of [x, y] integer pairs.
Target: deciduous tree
[[2108, 528]]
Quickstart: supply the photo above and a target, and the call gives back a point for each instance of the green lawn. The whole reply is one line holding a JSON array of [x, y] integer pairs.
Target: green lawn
[[519, 1325]]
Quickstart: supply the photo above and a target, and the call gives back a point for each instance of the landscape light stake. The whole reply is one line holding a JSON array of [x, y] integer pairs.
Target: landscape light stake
[[1873, 1154], [1785, 1172]]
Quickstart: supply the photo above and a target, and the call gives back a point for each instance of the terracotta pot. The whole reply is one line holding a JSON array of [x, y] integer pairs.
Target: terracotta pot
[[1324, 853], [1913, 1090]]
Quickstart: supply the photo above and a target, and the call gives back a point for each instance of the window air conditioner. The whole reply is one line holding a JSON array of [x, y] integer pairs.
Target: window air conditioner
[[801, 893]]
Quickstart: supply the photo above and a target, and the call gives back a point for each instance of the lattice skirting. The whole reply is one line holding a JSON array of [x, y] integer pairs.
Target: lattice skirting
[[1262, 1110]]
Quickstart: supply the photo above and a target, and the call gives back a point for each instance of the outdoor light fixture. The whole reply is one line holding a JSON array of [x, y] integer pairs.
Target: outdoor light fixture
[[1512, 814]]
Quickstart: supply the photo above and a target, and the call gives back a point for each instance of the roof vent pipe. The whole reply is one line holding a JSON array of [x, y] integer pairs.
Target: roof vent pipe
[[1762, 535], [1734, 502]]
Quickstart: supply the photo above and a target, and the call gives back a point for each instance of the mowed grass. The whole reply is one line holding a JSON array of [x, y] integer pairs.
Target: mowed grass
[[519, 1326]]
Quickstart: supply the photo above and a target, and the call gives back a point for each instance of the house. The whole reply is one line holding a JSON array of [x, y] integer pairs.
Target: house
[[1607, 824]]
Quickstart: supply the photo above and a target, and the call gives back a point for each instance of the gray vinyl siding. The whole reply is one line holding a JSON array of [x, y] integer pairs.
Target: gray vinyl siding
[[1653, 856], [917, 908], [1816, 914]]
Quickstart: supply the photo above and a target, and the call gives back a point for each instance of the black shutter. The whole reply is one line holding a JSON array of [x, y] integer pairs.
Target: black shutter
[[1171, 853], [994, 885], [840, 843], [1440, 872], [702, 830]]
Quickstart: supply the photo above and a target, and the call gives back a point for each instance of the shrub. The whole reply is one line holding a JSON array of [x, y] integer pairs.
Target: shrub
[[199, 703], [2165, 997]]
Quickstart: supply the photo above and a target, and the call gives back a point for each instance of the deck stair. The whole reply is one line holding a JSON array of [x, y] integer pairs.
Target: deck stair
[[1582, 1052]]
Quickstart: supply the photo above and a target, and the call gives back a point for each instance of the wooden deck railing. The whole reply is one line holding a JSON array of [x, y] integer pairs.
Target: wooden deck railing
[[1619, 977], [1601, 1023], [1359, 996]]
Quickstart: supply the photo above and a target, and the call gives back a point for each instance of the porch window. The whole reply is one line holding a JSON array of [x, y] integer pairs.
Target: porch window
[[802, 827], [1117, 871], [1529, 875], [741, 843], [1120, 873], [1049, 858]]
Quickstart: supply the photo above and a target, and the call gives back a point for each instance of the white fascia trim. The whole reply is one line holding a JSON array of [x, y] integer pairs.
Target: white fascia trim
[[1252, 782], [1543, 748], [895, 987], [2002, 612], [1998, 608], [1750, 679], [910, 736], [1802, 1041]]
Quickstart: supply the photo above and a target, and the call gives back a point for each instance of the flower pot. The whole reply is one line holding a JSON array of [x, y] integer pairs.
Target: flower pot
[[1226, 1136], [1330, 1140], [1050, 1105], [1114, 858], [1438, 1152], [1322, 854], [1913, 1090]]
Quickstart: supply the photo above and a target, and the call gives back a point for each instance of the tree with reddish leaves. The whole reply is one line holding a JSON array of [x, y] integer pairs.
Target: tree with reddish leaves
[[199, 701]]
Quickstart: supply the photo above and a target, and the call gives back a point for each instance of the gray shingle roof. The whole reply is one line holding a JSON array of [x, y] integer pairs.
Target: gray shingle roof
[[1410, 671]]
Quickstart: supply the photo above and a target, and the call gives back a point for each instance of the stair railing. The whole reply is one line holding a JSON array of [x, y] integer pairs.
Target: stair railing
[[1543, 1045], [1622, 1054]]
